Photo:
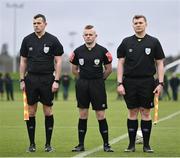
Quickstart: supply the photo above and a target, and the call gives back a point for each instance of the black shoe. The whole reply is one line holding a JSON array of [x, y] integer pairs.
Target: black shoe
[[32, 148], [107, 148], [148, 149], [130, 149], [48, 148], [78, 148]]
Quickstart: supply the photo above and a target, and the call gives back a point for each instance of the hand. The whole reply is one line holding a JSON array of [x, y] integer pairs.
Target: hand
[[22, 85], [158, 89], [55, 87], [121, 89]]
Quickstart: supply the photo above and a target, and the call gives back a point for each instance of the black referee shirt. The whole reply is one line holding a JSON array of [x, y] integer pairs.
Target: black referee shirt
[[40, 52], [91, 61], [140, 55]]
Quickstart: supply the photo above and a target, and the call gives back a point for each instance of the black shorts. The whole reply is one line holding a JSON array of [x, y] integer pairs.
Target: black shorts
[[39, 88], [91, 91], [139, 92]]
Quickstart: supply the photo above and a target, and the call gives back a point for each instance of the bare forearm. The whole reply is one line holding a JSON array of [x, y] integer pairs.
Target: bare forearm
[[160, 70], [120, 70], [75, 70], [107, 72], [22, 68], [58, 69]]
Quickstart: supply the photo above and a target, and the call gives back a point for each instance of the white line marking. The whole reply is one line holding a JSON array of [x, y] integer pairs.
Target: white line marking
[[115, 140], [169, 117]]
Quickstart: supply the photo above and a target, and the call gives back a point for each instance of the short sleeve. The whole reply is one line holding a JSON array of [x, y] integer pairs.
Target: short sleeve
[[73, 58], [121, 51], [24, 49], [58, 48], [107, 58], [159, 53]]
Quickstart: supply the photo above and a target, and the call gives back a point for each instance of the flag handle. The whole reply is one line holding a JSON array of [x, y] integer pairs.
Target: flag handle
[[26, 113], [156, 104]]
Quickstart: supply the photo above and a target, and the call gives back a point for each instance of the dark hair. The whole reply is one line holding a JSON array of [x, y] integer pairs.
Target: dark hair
[[139, 16], [88, 27], [40, 16]]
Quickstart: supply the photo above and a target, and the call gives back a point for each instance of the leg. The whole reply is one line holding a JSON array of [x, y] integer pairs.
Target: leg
[[49, 124], [31, 125], [103, 128], [82, 128], [132, 125], [7, 92], [146, 125], [65, 93], [12, 96]]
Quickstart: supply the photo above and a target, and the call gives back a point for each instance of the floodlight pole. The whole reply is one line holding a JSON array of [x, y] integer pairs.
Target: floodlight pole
[[14, 6]]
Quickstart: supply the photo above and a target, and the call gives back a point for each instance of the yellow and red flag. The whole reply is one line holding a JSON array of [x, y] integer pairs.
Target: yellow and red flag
[[26, 113], [156, 104]]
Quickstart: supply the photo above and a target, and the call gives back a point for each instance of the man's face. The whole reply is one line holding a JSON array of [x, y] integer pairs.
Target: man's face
[[139, 25], [39, 25], [89, 36]]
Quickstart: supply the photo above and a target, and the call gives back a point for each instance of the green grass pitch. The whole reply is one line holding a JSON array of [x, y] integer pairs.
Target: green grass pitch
[[165, 138]]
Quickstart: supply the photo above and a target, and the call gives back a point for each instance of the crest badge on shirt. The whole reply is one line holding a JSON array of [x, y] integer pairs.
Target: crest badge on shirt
[[81, 61], [147, 51], [46, 49], [96, 61], [30, 48]]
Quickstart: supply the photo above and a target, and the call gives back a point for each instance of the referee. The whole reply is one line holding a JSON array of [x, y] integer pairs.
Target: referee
[[40, 56], [138, 58], [91, 64]]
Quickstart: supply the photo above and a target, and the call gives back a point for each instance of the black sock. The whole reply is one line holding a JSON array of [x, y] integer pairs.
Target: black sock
[[132, 126], [49, 123], [146, 131], [82, 128], [31, 124], [103, 128]]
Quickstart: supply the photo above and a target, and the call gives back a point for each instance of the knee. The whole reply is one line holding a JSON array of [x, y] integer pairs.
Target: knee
[[133, 114], [48, 112], [32, 113], [83, 115], [100, 115], [145, 114]]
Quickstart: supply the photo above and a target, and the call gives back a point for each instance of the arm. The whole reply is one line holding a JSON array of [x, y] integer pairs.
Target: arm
[[58, 62], [120, 69], [107, 70], [75, 70], [22, 71], [160, 74]]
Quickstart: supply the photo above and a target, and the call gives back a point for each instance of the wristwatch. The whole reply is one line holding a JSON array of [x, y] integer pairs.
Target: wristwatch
[[57, 81], [161, 83], [119, 83], [21, 80]]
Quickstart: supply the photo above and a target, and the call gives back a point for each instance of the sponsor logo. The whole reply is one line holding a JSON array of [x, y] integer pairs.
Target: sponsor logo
[[130, 50], [30, 48], [147, 51], [103, 105], [81, 61], [151, 104], [71, 57], [109, 56]]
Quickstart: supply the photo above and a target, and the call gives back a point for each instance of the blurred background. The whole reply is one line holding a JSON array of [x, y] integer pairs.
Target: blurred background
[[67, 18]]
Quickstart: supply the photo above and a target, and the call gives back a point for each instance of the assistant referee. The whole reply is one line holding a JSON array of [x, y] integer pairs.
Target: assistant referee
[[138, 58], [40, 56]]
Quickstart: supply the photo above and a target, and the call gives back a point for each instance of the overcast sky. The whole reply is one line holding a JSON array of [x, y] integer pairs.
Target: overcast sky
[[112, 19]]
